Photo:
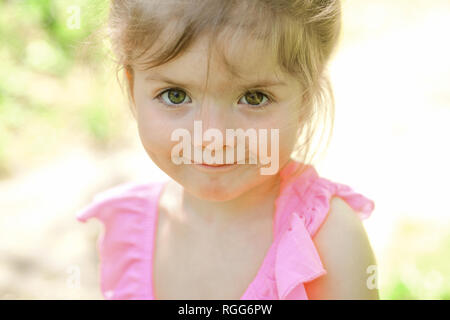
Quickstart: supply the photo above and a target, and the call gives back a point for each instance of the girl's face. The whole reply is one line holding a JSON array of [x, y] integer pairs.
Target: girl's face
[[174, 95]]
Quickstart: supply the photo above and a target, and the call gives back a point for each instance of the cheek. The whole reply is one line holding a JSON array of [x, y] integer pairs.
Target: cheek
[[288, 137], [152, 138], [287, 132], [286, 142], [154, 132], [286, 150]]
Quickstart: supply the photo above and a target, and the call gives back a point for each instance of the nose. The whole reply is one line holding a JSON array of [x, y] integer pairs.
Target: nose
[[213, 114], [212, 119]]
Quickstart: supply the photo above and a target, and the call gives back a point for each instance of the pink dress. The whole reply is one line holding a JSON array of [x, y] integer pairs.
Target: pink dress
[[129, 215]]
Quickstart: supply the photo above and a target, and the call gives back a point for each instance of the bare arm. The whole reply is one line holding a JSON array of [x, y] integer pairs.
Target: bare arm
[[345, 251]]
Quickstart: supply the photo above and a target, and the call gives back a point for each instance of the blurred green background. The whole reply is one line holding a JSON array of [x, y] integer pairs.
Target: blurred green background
[[66, 133]]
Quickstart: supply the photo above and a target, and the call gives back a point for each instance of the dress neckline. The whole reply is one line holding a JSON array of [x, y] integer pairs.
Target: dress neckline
[[153, 235]]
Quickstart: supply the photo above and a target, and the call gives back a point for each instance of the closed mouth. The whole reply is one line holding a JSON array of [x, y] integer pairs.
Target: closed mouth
[[217, 165], [213, 164]]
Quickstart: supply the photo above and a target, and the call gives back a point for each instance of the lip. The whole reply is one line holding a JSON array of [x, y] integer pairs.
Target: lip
[[214, 167]]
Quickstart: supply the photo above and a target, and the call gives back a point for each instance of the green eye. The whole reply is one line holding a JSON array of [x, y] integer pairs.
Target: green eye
[[255, 98], [173, 96], [176, 96]]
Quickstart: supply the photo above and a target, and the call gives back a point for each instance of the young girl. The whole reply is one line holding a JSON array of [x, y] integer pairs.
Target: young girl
[[223, 229]]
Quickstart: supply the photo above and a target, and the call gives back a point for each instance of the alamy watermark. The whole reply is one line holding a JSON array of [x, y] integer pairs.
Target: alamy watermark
[[74, 19], [372, 279], [257, 141]]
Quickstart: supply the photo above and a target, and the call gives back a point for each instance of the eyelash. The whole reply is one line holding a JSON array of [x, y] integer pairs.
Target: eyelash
[[258, 108]]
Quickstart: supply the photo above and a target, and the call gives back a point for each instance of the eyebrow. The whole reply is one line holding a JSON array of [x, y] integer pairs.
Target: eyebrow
[[259, 84]]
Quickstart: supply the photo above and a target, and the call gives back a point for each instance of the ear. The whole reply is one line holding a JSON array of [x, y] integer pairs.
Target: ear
[[304, 104], [130, 79]]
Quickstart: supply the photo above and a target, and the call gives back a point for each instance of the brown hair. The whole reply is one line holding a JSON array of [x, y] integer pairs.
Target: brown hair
[[301, 34]]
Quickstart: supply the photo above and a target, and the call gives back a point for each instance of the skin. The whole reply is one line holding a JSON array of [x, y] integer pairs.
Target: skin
[[345, 251], [198, 206], [216, 198]]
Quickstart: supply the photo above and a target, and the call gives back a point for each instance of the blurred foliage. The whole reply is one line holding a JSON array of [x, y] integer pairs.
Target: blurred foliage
[[96, 121], [418, 262], [41, 34], [46, 99], [44, 44]]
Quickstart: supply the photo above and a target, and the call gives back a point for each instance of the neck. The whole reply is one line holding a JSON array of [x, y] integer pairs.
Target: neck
[[254, 204]]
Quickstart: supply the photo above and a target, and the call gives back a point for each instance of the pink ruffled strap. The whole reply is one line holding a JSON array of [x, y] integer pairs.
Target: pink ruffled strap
[[322, 191], [126, 212], [301, 209]]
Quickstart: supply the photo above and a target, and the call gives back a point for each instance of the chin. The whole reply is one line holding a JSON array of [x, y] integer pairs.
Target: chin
[[213, 192]]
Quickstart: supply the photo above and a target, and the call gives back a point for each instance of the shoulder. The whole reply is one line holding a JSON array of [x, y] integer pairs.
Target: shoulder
[[126, 198], [346, 254], [127, 213]]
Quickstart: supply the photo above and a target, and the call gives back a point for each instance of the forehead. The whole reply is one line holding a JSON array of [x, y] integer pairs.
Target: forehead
[[245, 57], [229, 61]]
